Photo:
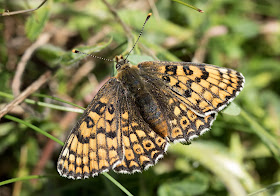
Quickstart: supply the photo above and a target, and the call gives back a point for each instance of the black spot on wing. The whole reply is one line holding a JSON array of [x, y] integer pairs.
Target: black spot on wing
[[187, 70], [89, 121], [111, 134], [171, 70], [99, 107]]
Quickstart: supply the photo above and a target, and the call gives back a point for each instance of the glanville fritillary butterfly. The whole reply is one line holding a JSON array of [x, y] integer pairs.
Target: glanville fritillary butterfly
[[129, 124]]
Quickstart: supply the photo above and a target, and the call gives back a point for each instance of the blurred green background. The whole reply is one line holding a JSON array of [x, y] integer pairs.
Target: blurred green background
[[241, 153]]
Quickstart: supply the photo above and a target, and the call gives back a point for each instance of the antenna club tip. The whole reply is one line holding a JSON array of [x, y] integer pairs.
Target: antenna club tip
[[75, 51], [201, 11], [148, 16]]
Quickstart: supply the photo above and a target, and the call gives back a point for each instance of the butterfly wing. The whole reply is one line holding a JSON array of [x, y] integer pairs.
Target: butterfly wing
[[181, 123], [189, 95], [142, 146], [95, 143], [203, 88]]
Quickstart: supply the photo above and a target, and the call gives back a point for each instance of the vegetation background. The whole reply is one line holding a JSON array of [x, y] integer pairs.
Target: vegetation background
[[241, 153]]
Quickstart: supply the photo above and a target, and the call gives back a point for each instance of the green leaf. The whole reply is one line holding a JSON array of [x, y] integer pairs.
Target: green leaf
[[8, 137], [220, 162], [268, 139], [232, 109], [135, 59], [36, 22], [195, 184], [162, 27], [50, 54]]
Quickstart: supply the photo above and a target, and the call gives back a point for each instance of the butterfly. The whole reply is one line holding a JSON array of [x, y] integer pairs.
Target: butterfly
[[132, 119], [129, 124]]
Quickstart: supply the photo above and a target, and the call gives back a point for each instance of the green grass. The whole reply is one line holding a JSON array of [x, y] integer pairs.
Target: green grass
[[238, 156]]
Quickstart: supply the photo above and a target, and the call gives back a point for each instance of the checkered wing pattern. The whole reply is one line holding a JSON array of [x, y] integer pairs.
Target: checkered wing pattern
[[95, 143], [203, 88], [110, 135], [128, 125], [143, 147]]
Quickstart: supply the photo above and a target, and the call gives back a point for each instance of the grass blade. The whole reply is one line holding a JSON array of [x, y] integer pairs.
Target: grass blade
[[190, 6]]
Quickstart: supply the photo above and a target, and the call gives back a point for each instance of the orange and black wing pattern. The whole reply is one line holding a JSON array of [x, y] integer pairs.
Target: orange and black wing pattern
[[110, 135], [203, 88], [95, 144], [128, 125], [189, 94], [181, 123], [143, 147]]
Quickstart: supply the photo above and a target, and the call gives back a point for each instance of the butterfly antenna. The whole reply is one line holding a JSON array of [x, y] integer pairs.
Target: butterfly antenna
[[77, 51], [149, 15]]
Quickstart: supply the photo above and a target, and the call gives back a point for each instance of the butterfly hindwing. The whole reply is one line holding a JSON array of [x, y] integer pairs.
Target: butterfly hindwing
[[204, 88], [182, 123], [142, 146], [95, 143]]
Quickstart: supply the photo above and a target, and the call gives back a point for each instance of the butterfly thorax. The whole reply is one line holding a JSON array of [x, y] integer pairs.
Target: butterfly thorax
[[136, 87]]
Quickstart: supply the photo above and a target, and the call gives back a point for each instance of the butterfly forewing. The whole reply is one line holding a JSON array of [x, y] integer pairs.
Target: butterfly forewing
[[95, 143], [204, 88]]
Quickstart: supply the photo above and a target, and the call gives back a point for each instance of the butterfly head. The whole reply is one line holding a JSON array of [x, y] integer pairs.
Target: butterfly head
[[121, 62]]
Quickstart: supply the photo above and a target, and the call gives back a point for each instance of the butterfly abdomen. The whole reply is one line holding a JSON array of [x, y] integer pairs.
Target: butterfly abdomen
[[147, 104]]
